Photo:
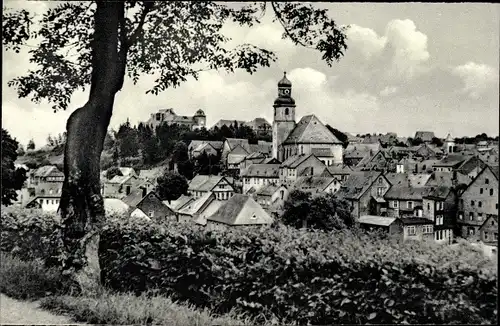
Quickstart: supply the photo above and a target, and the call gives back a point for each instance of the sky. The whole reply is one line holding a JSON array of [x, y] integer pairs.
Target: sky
[[408, 67]]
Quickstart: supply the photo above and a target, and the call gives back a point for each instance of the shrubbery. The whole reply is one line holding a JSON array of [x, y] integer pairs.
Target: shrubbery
[[282, 273], [296, 275]]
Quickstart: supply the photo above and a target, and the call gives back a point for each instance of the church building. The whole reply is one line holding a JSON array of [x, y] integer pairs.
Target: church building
[[308, 136]]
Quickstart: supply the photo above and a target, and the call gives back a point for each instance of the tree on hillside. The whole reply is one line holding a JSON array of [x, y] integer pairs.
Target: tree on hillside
[[171, 186], [112, 172], [31, 145], [325, 212], [340, 136], [12, 178], [109, 141], [127, 140], [20, 150], [436, 141], [99, 44], [207, 164]]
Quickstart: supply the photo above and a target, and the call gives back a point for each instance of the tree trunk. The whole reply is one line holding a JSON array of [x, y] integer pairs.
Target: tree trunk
[[82, 206]]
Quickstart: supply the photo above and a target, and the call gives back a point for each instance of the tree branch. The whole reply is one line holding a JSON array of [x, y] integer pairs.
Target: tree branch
[[148, 6], [287, 32]]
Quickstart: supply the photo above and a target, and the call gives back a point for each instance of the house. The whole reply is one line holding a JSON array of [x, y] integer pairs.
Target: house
[[437, 179], [198, 210], [239, 210], [425, 136], [169, 117], [489, 231], [425, 166], [405, 200], [308, 136], [365, 190], [390, 225], [483, 146], [179, 202], [235, 157], [252, 158], [272, 197], [339, 171], [46, 180], [424, 151], [406, 179], [469, 169], [450, 163], [47, 203], [417, 228], [317, 184], [152, 174], [148, 205], [228, 123], [210, 147], [260, 126], [439, 206], [219, 185], [120, 186], [477, 201], [258, 175], [295, 166], [380, 161], [126, 171]]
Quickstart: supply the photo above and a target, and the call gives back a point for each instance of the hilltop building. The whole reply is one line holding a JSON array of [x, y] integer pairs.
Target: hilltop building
[[168, 116]]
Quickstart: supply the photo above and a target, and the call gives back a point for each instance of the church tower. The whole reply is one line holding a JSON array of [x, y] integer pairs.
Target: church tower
[[284, 116]]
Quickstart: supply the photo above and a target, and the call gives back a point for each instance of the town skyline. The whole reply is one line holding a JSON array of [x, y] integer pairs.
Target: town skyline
[[401, 73]]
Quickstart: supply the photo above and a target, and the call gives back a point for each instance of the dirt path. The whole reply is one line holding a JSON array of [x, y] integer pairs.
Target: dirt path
[[27, 313]]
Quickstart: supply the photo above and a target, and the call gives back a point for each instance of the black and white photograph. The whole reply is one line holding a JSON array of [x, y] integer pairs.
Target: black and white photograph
[[249, 163]]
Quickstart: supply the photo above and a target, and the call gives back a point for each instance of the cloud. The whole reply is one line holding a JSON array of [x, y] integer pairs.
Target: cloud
[[365, 40], [478, 78]]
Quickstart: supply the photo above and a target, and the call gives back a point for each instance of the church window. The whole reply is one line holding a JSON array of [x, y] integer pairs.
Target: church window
[[286, 111], [301, 149]]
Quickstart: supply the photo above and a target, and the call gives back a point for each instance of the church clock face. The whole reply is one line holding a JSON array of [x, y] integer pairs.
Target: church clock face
[[286, 91]]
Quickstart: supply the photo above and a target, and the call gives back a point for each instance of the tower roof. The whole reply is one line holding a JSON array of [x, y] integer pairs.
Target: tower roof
[[284, 82], [448, 138], [284, 101], [200, 113]]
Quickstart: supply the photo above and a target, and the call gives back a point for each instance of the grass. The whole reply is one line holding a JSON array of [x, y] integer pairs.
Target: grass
[[27, 280], [97, 305]]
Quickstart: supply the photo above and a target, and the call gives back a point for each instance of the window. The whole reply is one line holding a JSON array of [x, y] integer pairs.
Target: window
[[491, 192], [472, 203], [395, 204], [471, 231], [158, 116], [287, 111], [428, 206], [460, 216], [439, 219], [410, 205], [128, 190], [380, 180], [412, 230], [461, 201], [495, 236], [485, 235], [151, 213], [254, 217], [480, 191], [487, 181], [380, 191], [427, 229], [479, 216], [471, 216]]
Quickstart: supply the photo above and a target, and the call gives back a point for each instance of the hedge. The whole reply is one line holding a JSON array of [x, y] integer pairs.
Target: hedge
[[281, 273], [300, 276]]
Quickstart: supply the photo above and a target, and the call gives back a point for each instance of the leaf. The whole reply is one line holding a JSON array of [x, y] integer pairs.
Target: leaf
[[346, 300], [372, 316]]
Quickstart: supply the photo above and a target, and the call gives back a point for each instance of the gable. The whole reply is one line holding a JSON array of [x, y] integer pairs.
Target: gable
[[312, 131]]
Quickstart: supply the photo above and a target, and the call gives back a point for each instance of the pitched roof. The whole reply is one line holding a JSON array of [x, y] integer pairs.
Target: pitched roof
[[322, 152], [424, 135], [404, 179], [179, 202], [489, 218], [267, 190], [204, 182], [376, 220], [262, 170], [440, 192], [407, 193], [357, 184], [195, 206], [338, 169], [362, 148], [126, 171], [152, 174], [241, 210], [440, 179], [314, 183], [293, 161], [114, 205], [451, 160], [494, 169], [311, 130], [238, 150], [208, 210], [119, 179], [262, 147], [470, 164], [233, 142], [44, 171], [134, 198]]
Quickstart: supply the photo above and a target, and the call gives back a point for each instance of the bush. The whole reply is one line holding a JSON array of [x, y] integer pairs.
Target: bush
[[296, 275], [28, 279], [30, 234]]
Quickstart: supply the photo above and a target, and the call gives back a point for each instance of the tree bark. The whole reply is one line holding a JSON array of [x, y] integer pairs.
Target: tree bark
[[82, 205]]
